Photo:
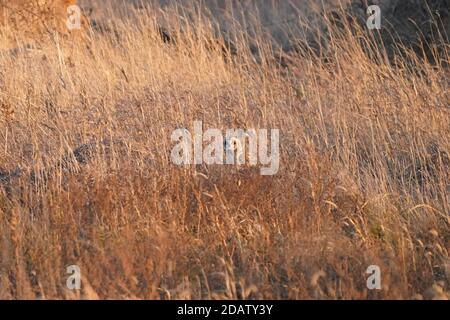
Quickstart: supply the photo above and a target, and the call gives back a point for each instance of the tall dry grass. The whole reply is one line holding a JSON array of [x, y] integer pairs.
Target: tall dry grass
[[28, 21], [364, 177]]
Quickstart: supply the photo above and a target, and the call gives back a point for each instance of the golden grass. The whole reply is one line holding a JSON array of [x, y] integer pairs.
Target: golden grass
[[30, 20], [364, 177]]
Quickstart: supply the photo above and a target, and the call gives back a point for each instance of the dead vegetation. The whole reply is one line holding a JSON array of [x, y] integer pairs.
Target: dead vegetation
[[31, 21], [364, 177]]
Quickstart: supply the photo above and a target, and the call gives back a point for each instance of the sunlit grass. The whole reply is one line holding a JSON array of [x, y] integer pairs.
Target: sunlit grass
[[364, 176]]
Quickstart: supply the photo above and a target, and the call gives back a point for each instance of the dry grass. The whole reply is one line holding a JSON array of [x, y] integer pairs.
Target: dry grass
[[364, 177], [25, 21]]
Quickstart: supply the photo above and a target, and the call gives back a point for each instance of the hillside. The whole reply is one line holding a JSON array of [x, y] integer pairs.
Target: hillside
[[88, 176]]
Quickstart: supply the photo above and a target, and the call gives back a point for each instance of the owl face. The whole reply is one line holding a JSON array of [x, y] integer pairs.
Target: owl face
[[232, 144]]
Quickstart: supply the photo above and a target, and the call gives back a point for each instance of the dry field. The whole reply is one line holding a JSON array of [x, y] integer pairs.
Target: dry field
[[26, 21], [86, 176]]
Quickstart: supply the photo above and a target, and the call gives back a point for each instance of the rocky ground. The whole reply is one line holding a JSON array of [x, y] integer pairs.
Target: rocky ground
[[410, 23], [419, 25]]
